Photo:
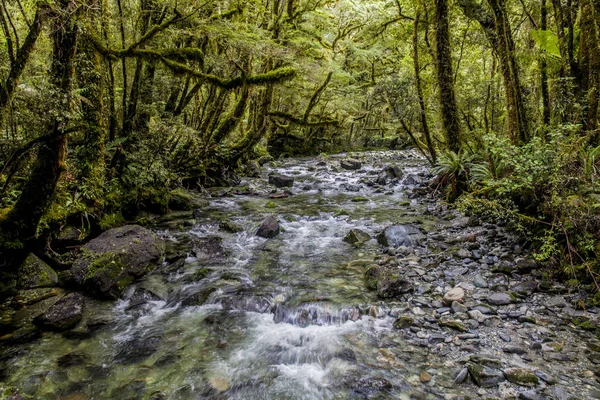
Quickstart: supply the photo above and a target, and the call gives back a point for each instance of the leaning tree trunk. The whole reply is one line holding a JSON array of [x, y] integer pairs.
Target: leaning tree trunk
[[22, 221], [445, 77], [422, 109]]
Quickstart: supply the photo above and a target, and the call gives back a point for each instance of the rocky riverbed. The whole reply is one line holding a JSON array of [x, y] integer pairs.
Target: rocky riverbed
[[339, 277]]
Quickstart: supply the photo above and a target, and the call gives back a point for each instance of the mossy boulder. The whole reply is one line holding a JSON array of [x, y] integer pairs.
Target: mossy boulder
[[388, 281], [115, 259], [521, 376], [485, 377], [35, 273], [357, 236], [400, 235]]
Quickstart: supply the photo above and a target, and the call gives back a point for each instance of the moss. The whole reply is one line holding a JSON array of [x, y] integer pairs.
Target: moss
[[270, 204], [521, 376], [403, 321], [359, 199], [339, 213], [113, 220]]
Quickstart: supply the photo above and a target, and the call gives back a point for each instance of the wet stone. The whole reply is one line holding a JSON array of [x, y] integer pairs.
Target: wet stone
[[269, 228], [62, 315], [281, 181], [350, 164], [521, 376]]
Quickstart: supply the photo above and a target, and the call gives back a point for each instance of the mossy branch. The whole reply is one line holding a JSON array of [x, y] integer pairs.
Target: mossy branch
[[300, 121]]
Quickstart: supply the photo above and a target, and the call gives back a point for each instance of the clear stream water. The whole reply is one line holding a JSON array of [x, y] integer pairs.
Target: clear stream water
[[286, 318]]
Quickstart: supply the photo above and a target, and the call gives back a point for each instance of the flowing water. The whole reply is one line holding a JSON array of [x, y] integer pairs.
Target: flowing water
[[281, 318]]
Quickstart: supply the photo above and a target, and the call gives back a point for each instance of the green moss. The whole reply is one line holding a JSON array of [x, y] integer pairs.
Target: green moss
[[270, 204], [359, 199], [339, 213], [113, 220]]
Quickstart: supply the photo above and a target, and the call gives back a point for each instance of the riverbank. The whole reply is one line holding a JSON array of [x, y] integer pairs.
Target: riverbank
[[449, 307]]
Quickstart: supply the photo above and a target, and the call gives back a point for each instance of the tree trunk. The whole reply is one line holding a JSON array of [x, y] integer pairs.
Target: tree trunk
[[22, 220], [544, 69], [422, 109], [445, 76]]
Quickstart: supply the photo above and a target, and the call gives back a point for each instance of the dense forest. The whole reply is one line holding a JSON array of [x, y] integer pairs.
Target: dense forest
[[111, 108]]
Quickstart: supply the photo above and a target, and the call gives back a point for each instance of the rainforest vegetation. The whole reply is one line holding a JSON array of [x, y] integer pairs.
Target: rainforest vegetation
[[110, 109]]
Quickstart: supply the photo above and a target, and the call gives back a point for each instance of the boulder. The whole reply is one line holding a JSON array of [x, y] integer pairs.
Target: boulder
[[485, 377], [265, 159], [357, 236], [116, 258], [400, 235], [62, 315], [281, 181], [499, 299], [387, 281], [269, 228], [208, 247], [350, 164], [35, 273], [229, 226]]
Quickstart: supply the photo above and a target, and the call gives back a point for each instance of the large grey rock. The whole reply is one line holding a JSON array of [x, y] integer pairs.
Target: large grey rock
[[62, 315], [521, 376], [269, 228], [350, 164], [111, 262], [35, 273], [281, 181], [400, 235]]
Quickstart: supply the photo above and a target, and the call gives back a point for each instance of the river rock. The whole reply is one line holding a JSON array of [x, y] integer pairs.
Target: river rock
[[404, 321], [252, 169], [499, 299], [269, 228], [455, 294], [35, 273], [357, 236], [112, 261], [521, 376], [350, 164], [387, 281], [281, 181], [208, 247], [62, 315], [485, 377], [400, 235]]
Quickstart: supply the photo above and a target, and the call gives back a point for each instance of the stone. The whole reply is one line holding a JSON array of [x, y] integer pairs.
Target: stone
[[477, 315], [424, 377], [525, 288], [252, 169], [485, 377], [461, 376], [480, 282], [281, 181], [403, 321], [455, 294], [454, 324], [387, 281], [111, 262], [35, 273], [458, 307], [499, 299], [350, 164], [556, 301], [62, 315], [531, 395], [549, 379], [269, 228], [400, 235], [357, 236], [514, 350], [208, 247], [521, 376]]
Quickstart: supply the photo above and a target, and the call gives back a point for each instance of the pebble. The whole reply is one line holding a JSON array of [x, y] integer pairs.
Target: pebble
[[455, 294], [499, 299]]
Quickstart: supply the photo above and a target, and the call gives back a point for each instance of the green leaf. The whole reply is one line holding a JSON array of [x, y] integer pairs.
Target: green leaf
[[547, 41]]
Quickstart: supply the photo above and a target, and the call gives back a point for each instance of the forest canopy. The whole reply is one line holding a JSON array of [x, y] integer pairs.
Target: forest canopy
[[109, 108]]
